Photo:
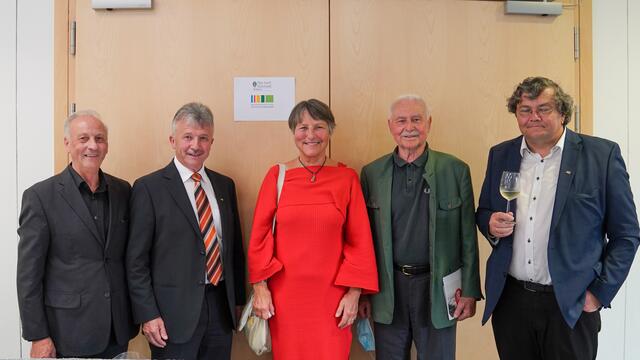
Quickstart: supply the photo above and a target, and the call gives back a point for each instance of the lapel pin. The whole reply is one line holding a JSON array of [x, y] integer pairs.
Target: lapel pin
[[221, 199], [568, 172]]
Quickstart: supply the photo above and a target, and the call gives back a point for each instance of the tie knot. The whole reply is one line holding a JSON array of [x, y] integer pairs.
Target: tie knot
[[196, 177]]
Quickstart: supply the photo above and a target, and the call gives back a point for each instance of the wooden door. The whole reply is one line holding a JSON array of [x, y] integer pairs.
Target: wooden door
[[464, 58], [137, 67]]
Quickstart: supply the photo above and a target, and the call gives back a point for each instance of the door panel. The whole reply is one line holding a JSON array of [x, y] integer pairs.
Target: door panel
[[464, 58], [137, 67]]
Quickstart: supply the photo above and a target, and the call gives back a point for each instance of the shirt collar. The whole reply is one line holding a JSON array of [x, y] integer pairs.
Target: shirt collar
[[81, 183], [185, 173], [557, 147], [420, 161]]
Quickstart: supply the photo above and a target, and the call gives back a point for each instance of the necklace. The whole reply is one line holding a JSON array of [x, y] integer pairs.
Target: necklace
[[313, 173]]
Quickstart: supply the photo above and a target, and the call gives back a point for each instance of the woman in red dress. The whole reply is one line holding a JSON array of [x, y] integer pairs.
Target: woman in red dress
[[308, 275]]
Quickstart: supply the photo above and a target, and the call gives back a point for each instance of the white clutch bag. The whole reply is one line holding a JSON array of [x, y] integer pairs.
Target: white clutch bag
[[255, 329]]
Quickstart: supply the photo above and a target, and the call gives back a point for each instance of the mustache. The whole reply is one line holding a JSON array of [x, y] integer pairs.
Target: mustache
[[410, 133]]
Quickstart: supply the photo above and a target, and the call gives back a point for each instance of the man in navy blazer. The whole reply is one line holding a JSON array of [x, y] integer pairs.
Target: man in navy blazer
[[566, 247]]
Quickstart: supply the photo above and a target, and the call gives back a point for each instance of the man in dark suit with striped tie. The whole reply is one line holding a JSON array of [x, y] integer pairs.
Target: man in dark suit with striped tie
[[185, 261]]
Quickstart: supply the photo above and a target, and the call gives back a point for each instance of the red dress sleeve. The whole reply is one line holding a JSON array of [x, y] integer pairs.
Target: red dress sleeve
[[358, 267], [260, 256]]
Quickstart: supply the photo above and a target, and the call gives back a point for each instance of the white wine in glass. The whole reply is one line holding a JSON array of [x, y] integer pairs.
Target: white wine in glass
[[510, 186]]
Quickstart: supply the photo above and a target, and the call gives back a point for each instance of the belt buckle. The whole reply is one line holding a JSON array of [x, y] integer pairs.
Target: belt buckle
[[405, 268], [527, 288]]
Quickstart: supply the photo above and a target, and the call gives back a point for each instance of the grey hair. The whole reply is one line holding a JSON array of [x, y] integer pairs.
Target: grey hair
[[88, 112], [193, 113], [410, 97], [316, 109]]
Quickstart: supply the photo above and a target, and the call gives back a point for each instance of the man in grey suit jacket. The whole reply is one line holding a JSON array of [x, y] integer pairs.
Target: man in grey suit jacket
[[72, 289], [185, 262]]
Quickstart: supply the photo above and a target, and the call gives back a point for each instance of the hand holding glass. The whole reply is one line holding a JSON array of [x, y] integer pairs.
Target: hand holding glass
[[510, 186]]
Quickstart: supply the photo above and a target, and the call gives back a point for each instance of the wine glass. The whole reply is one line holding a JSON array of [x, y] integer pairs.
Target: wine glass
[[510, 186]]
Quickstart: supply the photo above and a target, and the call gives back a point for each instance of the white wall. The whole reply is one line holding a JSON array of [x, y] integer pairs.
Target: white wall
[[616, 58], [26, 110], [10, 333]]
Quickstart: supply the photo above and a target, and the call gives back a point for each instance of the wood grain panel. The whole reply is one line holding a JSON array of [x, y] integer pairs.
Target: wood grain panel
[[465, 58], [137, 67], [586, 66]]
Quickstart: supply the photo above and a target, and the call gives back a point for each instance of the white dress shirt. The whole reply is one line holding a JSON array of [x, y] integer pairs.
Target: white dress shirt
[[189, 186], [538, 183]]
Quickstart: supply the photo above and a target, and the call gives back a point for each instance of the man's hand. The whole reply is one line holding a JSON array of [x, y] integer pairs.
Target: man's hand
[[465, 308], [155, 332], [591, 303], [43, 348], [364, 307], [348, 307], [501, 224]]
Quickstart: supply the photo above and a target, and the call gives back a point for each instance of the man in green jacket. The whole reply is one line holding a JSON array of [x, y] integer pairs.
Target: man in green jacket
[[420, 205]]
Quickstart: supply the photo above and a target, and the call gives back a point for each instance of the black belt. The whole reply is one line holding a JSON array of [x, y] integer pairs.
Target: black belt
[[530, 286], [411, 270], [211, 286]]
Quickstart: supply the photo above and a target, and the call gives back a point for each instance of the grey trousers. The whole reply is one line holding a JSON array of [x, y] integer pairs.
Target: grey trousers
[[412, 323]]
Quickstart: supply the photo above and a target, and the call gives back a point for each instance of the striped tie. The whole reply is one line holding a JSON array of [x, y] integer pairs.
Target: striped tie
[[208, 229]]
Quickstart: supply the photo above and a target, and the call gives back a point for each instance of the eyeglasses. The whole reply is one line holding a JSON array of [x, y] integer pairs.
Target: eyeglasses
[[542, 110]]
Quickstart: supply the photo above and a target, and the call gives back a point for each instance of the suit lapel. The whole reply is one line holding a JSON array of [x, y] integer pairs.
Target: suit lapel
[[70, 193], [178, 193], [383, 198], [432, 188], [114, 204], [570, 154]]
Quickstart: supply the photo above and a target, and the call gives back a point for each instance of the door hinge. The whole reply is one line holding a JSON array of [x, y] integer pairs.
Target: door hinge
[[578, 125], [72, 38], [576, 43], [72, 108]]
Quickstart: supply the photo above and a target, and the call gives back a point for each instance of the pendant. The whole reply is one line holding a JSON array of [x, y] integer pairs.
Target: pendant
[[313, 178]]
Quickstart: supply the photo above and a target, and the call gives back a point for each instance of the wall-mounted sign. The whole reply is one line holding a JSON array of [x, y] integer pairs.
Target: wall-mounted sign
[[121, 4], [263, 98]]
